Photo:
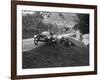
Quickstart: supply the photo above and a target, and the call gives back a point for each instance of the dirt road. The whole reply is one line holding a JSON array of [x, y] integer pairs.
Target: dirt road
[[28, 44]]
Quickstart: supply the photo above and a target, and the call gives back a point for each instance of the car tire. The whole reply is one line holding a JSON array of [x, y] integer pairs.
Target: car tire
[[36, 40]]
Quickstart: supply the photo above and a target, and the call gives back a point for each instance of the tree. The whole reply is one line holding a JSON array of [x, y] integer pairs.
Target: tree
[[83, 23]]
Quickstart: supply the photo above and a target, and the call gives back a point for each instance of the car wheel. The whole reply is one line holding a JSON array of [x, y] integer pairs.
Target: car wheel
[[36, 40]]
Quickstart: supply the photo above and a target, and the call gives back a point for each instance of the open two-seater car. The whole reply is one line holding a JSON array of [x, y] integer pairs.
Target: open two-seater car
[[45, 36]]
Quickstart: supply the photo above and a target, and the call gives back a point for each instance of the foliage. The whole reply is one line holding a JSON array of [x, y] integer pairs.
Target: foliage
[[83, 23], [32, 24]]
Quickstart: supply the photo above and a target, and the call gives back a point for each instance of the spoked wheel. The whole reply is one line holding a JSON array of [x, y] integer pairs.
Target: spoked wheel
[[36, 40]]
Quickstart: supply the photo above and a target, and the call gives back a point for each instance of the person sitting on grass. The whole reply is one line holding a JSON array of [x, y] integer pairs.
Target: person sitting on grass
[[67, 43]]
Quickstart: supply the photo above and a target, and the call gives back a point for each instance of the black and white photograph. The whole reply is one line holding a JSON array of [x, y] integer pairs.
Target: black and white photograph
[[54, 39]]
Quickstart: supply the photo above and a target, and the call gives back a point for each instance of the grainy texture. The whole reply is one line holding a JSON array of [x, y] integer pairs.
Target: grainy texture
[[56, 56]]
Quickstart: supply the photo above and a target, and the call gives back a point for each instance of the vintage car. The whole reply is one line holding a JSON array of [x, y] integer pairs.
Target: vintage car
[[45, 37]]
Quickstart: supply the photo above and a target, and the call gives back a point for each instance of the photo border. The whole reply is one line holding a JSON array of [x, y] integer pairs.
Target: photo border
[[14, 39]]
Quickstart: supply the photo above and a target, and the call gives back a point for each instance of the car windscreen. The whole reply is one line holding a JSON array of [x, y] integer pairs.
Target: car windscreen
[[46, 33]]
